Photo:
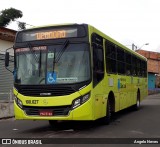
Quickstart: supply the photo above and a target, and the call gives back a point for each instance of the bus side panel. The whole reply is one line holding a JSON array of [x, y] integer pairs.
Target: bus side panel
[[144, 89], [99, 100]]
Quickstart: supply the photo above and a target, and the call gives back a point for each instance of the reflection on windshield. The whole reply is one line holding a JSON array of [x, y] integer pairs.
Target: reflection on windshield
[[35, 65], [28, 67]]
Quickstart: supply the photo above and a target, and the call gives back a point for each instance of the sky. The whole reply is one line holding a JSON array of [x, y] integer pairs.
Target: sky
[[127, 21]]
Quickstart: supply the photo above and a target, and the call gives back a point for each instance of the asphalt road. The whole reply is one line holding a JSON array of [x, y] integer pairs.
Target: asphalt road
[[144, 123]]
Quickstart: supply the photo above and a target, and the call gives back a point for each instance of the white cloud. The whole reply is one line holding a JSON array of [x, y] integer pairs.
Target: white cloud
[[127, 21]]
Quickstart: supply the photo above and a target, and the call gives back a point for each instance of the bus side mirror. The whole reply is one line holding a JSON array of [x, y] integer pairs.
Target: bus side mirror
[[6, 59]]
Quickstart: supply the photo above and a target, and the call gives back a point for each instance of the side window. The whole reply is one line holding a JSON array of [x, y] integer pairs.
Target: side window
[[111, 64], [135, 66], [144, 68], [139, 71], [121, 61], [98, 59], [128, 63]]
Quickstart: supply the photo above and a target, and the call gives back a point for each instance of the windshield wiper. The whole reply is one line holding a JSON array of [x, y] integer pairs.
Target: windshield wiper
[[54, 59], [59, 55], [40, 62]]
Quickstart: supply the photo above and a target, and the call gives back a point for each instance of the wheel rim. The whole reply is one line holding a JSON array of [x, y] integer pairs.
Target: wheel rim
[[138, 100], [138, 103]]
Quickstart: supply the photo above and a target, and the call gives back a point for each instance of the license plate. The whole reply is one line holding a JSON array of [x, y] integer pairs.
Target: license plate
[[46, 112]]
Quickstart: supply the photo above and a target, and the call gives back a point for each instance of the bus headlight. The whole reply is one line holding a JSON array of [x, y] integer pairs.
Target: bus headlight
[[79, 101], [76, 103], [18, 102], [85, 97]]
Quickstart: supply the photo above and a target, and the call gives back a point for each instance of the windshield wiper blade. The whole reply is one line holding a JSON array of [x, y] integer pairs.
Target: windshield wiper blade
[[59, 55], [40, 62], [54, 59]]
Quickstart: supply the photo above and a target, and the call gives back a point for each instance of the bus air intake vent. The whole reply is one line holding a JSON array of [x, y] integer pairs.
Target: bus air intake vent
[[44, 90]]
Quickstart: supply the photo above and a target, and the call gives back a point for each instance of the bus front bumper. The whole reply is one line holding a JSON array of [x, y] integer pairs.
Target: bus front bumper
[[83, 112]]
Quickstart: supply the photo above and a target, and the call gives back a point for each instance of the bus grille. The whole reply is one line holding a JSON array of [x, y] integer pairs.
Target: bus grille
[[57, 110], [44, 90]]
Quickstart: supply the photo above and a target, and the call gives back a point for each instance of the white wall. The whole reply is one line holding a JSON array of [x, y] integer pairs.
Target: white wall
[[4, 45]]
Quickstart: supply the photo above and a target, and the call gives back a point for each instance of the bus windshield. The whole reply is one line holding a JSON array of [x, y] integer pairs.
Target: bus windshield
[[52, 64]]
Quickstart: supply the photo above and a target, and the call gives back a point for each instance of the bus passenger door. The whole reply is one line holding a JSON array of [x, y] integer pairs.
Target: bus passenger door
[[98, 75]]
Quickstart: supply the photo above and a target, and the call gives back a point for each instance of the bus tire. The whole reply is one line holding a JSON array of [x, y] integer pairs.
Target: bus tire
[[106, 120], [137, 105]]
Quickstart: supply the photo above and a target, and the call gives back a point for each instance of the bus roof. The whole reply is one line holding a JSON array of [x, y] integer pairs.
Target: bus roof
[[101, 33], [52, 25]]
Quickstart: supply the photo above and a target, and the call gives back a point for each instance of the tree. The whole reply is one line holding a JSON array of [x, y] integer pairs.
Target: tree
[[8, 15]]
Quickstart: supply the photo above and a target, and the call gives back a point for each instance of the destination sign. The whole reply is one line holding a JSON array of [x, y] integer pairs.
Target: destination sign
[[51, 35], [42, 48], [45, 34]]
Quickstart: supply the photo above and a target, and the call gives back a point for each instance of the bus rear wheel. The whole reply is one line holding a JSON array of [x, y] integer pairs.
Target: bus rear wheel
[[137, 105]]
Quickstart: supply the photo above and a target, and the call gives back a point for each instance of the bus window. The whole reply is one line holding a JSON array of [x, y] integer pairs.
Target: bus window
[[143, 68], [111, 64], [128, 64], [139, 73], [120, 61], [134, 65]]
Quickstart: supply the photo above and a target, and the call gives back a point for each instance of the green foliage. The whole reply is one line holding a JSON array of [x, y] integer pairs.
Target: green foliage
[[8, 15]]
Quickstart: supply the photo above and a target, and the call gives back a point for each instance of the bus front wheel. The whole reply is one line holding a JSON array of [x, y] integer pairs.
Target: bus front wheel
[[106, 120]]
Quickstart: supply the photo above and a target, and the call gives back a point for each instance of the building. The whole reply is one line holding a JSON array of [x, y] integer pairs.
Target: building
[[153, 68], [6, 78]]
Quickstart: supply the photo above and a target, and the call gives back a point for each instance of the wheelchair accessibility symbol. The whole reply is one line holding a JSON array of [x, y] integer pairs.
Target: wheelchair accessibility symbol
[[51, 78]]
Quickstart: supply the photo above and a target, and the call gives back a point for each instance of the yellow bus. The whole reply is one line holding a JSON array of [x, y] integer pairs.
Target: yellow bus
[[74, 72]]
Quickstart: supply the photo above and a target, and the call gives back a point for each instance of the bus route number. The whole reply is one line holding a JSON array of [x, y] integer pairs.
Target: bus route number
[[32, 101]]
